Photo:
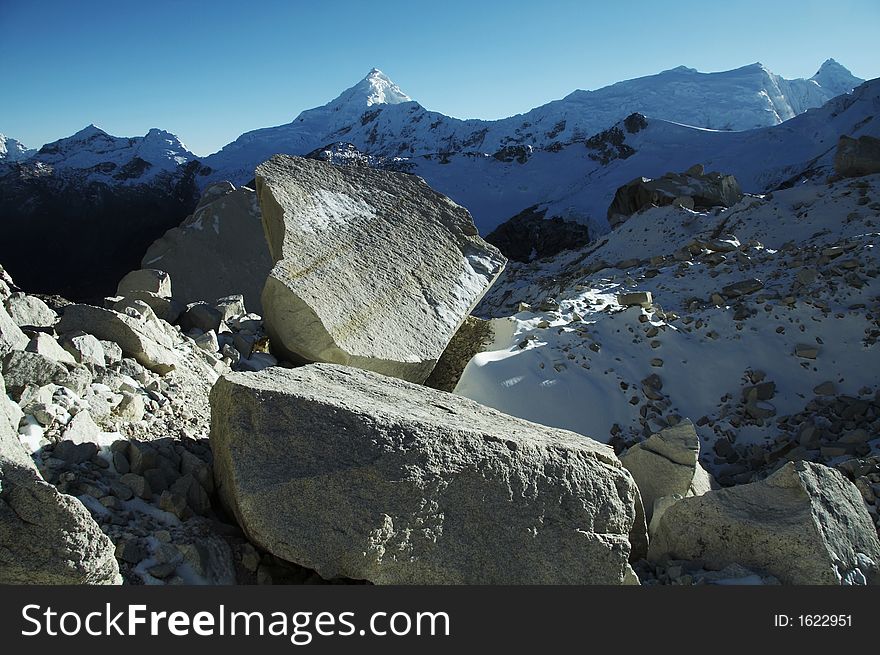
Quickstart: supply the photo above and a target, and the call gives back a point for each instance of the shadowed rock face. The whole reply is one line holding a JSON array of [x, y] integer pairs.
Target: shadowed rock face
[[219, 250], [372, 269], [364, 476], [529, 235], [857, 157]]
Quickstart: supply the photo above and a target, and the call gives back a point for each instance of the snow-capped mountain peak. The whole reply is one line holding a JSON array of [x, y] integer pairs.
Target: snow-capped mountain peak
[[835, 77], [375, 89], [12, 150]]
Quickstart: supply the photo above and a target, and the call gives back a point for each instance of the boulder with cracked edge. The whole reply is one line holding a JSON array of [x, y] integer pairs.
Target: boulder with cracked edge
[[805, 524], [46, 537], [373, 269], [363, 476]]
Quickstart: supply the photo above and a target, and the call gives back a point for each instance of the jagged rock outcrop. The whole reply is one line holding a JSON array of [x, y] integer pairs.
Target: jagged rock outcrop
[[857, 157], [218, 250], [45, 537], [529, 235], [364, 476], [693, 189], [373, 269], [805, 524], [667, 463]]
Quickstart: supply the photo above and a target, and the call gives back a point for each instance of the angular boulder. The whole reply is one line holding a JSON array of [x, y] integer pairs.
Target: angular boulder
[[146, 279], [667, 463], [137, 331], [693, 189], [805, 524], [30, 311], [218, 250], [11, 336], [373, 269], [364, 476], [22, 368], [47, 346], [46, 537], [857, 157]]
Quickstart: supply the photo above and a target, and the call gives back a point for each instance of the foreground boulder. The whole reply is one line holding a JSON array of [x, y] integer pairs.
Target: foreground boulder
[[11, 336], [805, 524], [46, 537], [373, 269], [136, 329], [218, 250], [358, 475], [857, 157], [667, 463], [692, 189]]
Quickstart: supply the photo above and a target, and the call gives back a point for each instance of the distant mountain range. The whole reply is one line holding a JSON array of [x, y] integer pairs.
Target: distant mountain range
[[563, 159]]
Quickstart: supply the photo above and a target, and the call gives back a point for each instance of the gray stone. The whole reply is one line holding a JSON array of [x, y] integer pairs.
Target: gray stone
[[137, 333], [147, 279], [805, 524], [47, 346], [130, 408], [208, 341], [635, 299], [373, 269], [230, 306], [359, 475], [30, 311], [742, 288], [168, 309], [201, 316], [85, 348], [46, 537], [667, 463], [806, 350], [217, 251], [11, 336], [82, 428], [21, 369]]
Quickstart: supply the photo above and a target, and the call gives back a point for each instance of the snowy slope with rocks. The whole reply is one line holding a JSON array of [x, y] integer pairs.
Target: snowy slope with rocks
[[762, 328]]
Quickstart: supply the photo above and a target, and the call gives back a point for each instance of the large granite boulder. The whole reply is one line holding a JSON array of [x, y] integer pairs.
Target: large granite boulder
[[693, 189], [29, 311], [805, 524], [373, 269], [136, 329], [46, 537], [218, 250], [857, 157], [667, 463], [363, 476]]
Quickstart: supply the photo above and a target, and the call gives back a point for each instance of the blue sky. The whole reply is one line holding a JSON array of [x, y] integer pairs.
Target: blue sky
[[210, 71]]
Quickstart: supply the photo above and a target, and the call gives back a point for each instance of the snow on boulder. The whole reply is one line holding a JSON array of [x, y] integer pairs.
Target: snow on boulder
[[805, 524], [218, 250], [364, 476], [373, 269], [46, 537]]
